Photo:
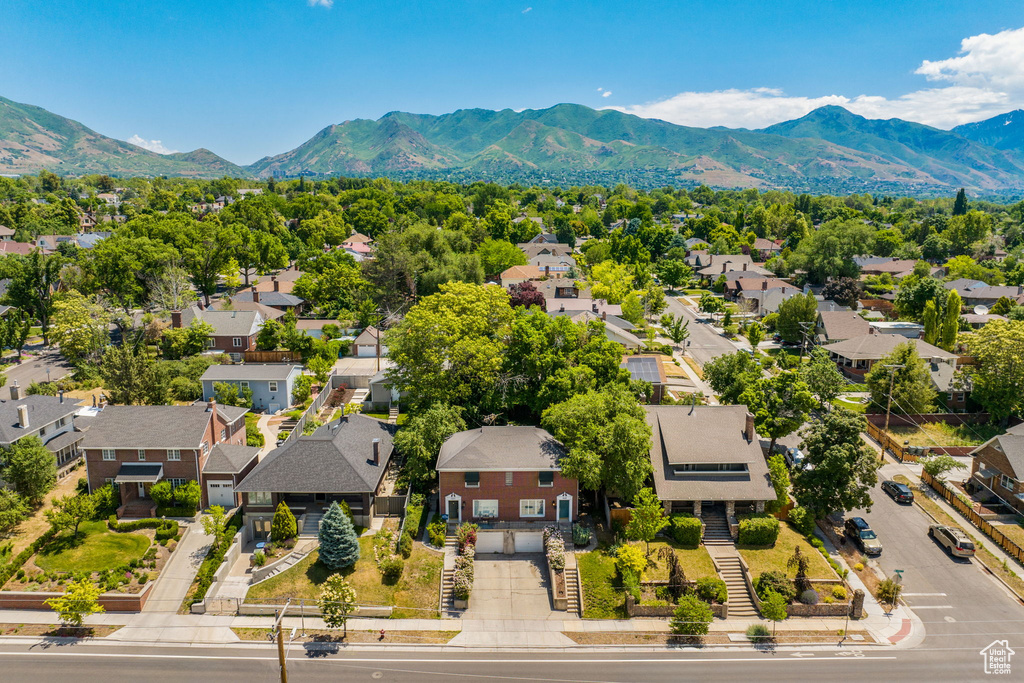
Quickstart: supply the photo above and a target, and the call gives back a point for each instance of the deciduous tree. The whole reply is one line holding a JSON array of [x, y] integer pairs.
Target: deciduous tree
[[29, 467], [907, 374], [780, 404], [840, 469]]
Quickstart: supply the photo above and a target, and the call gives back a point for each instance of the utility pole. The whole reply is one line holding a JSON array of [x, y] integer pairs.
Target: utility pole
[[278, 628], [888, 404], [803, 339]]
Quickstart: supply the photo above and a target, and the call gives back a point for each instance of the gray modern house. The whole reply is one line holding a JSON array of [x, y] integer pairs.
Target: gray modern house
[[272, 384]]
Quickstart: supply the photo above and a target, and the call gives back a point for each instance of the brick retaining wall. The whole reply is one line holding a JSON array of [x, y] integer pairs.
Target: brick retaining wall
[[111, 602]]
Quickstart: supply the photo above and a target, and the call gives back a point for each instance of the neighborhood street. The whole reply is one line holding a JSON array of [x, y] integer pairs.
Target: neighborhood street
[[704, 342], [33, 368], [959, 603]]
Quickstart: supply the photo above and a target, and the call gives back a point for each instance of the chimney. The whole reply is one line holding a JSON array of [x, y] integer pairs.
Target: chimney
[[376, 451], [744, 265], [60, 393], [604, 315], [175, 318], [16, 391], [255, 295], [832, 306], [547, 271], [201, 306], [764, 285], [748, 430], [277, 285], [723, 266], [561, 309], [23, 416], [211, 406]]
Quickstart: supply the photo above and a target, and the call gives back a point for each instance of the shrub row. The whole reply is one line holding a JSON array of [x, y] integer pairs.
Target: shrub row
[[8, 570], [175, 512], [437, 529], [685, 529], [166, 528], [462, 579], [204, 577], [760, 529]]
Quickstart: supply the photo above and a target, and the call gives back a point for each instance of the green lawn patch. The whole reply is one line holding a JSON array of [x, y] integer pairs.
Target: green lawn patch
[[852, 404], [760, 559], [95, 549], [602, 591], [414, 596], [943, 434], [696, 562], [402, 417]]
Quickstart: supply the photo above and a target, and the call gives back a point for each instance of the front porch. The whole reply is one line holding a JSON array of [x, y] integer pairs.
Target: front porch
[[133, 481]]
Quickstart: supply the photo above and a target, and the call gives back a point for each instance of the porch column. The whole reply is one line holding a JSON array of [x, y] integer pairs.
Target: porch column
[[666, 506], [730, 508], [696, 508], [759, 506]]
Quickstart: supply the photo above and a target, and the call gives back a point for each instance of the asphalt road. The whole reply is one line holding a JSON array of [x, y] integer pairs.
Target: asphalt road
[[704, 343], [34, 369], [161, 664], [960, 604]]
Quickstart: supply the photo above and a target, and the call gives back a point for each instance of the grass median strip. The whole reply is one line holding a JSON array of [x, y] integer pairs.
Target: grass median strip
[[355, 635]]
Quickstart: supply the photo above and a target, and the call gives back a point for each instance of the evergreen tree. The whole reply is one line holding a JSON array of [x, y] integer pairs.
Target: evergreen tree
[[960, 203], [930, 319], [284, 526], [951, 324], [339, 546]]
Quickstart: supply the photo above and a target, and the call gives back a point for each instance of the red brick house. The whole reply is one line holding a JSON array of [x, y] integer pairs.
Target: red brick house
[[505, 474], [133, 447], [234, 332], [998, 468]]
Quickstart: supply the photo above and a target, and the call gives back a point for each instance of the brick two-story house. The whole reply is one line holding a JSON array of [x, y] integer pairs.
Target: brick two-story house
[[234, 332], [998, 467], [133, 447]]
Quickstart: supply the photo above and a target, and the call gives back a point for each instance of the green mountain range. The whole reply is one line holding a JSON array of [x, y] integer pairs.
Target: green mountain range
[[32, 138], [828, 150]]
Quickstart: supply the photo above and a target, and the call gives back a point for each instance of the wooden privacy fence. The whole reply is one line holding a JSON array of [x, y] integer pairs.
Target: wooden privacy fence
[[314, 408], [389, 506], [911, 453], [965, 509], [271, 357]]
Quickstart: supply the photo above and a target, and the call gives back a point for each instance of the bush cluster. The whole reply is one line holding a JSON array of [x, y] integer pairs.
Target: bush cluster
[[802, 520], [463, 576], [165, 528], [413, 518], [809, 597], [466, 535], [437, 529], [554, 548], [15, 563], [774, 582], [711, 589], [580, 535], [760, 530], [405, 545], [685, 529]]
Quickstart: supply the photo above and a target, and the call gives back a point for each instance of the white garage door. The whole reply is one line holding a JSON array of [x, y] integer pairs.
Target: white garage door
[[529, 542], [488, 542], [221, 493]]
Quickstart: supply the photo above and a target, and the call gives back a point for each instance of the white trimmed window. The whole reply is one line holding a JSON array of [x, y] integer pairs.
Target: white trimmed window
[[175, 483], [210, 343], [531, 507], [173, 454], [236, 342], [1008, 483], [272, 386], [142, 454], [244, 384], [485, 508], [260, 498], [545, 479], [108, 454]]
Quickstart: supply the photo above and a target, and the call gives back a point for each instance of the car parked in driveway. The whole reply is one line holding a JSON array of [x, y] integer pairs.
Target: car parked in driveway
[[860, 533], [901, 493], [952, 539]]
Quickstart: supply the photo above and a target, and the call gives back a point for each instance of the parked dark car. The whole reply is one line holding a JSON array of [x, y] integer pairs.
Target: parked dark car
[[860, 533], [901, 493], [952, 539]]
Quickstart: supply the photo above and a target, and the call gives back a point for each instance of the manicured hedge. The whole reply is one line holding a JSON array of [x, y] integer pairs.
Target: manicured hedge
[[685, 529], [204, 577], [175, 512], [152, 523], [758, 530], [413, 518]]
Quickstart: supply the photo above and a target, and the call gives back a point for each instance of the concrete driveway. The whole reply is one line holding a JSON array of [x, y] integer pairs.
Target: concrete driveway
[[511, 587]]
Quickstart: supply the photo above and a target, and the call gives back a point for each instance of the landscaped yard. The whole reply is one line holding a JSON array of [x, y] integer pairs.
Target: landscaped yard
[[1013, 531], [852, 403], [942, 434], [761, 560], [402, 417], [696, 563], [415, 594], [95, 549]]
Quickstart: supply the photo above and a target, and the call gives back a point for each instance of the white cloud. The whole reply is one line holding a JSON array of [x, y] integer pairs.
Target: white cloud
[[984, 80], [606, 93], [321, 3], [528, 9], [152, 145]]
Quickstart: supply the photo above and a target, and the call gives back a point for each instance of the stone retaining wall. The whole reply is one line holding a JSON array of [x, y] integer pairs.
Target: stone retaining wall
[[635, 610]]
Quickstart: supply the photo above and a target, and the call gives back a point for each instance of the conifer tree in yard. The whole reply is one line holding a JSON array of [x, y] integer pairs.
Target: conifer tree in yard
[[339, 546], [960, 203], [951, 324], [284, 526]]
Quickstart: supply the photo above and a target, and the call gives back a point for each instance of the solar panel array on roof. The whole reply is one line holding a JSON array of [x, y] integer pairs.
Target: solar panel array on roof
[[643, 368]]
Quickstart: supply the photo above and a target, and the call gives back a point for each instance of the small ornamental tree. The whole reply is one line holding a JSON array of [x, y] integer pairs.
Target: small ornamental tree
[[774, 609], [339, 546], [70, 511], [938, 465], [79, 601], [214, 522], [646, 519], [755, 334], [284, 526], [337, 601], [889, 593], [692, 618]]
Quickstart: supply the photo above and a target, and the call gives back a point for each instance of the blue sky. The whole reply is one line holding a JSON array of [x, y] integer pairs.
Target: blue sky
[[248, 79]]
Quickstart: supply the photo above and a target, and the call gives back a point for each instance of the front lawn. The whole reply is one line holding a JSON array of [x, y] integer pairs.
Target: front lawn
[[95, 549], [760, 559], [942, 434], [416, 592], [602, 591], [851, 403], [696, 562]]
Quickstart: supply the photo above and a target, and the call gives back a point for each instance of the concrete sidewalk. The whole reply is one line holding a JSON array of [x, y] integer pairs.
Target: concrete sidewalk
[[177, 575]]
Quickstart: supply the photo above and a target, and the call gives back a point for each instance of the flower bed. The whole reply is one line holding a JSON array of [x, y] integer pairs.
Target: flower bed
[[554, 551], [462, 580]]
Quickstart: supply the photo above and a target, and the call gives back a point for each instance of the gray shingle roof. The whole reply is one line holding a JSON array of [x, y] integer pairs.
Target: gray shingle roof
[[705, 434], [500, 448], [225, 323], [1012, 446], [42, 410], [336, 458], [267, 312], [249, 372], [875, 346], [229, 458], [843, 324], [270, 298], [153, 426]]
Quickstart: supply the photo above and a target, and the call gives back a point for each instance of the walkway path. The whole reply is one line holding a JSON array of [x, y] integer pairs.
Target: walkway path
[[178, 574], [269, 435]]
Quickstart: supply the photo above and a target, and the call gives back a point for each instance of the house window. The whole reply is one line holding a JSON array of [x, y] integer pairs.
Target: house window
[[508, 479], [206, 447], [108, 454], [546, 479], [272, 386], [142, 455], [1008, 483], [108, 480], [472, 480], [485, 508], [175, 483], [210, 342], [223, 434], [260, 498], [173, 454], [236, 342], [244, 384], [531, 508]]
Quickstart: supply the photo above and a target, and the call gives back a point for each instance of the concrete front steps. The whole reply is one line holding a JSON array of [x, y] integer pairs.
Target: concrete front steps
[[716, 530], [740, 604], [573, 592], [288, 563], [311, 523]]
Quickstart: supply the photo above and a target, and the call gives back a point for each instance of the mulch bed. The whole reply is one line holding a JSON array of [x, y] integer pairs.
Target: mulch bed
[[355, 636], [55, 631]]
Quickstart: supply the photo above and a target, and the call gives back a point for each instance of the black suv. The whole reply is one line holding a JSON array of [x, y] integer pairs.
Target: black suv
[[858, 531], [901, 493]]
